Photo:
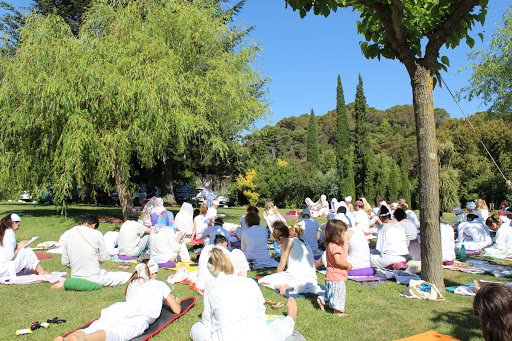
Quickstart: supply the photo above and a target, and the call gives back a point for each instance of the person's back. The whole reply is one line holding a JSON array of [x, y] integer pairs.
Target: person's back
[[447, 242], [254, 243], [361, 221], [111, 238], [412, 217], [411, 232], [212, 231], [504, 237], [301, 260], [83, 250], [391, 240], [309, 232], [474, 235], [162, 243], [201, 222], [358, 250], [147, 297], [130, 237]]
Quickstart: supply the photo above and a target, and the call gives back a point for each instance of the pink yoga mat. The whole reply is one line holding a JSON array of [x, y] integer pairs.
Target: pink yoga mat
[[366, 278], [42, 255]]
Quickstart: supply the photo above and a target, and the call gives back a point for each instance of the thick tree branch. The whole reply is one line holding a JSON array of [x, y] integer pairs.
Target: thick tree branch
[[450, 24], [392, 22]]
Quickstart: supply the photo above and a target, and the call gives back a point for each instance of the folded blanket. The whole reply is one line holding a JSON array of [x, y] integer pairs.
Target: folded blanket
[[42, 255]]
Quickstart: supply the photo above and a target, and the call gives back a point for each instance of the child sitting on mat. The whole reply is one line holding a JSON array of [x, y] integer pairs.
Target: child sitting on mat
[[337, 267], [127, 320]]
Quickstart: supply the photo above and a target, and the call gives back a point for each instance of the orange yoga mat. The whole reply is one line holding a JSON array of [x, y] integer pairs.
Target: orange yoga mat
[[429, 336]]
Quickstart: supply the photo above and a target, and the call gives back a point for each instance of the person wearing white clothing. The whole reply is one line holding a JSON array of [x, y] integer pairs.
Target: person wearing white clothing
[[240, 264], [308, 230], [348, 203], [133, 236], [473, 234], [391, 244], [410, 215], [460, 217], [201, 222], [271, 214], [84, 250], [127, 320], [503, 240], [184, 220], [207, 194], [319, 208], [243, 225], [360, 221], [111, 238], [447, 242], [298, 260], [321, 232], [254, 243], [15, 257], [234, 308], [212, 212]]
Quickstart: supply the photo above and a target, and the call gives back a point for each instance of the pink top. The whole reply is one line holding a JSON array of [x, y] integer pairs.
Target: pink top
[[335, 273]]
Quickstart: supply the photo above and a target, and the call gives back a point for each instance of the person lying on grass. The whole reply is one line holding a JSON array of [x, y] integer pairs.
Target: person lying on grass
[[15, 257], [129, 319]]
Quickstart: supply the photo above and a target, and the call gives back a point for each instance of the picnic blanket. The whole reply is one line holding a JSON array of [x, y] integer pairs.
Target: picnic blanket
[[366, 278], [54, 277], [480, 267], [429, 336], [110, 220], [42, 255], [496, 253], [468, 289], [165, 318], [291, 292]]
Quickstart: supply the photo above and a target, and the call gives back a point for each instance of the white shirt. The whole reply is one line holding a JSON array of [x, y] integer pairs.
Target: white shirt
[[447, 242], [391, 240], [503, 237], [111, 238], [203, 275], [148, 297], [473, 232], [271, 218], [358, 249], [7, 248], [361, 220], [83, 251], [201, 222], [129, 237], [162, 244], [411, 216], [212, 213]]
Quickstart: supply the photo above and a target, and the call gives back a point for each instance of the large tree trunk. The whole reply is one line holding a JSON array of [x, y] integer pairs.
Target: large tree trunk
[[431, 257], [125, 199], [167, 186]]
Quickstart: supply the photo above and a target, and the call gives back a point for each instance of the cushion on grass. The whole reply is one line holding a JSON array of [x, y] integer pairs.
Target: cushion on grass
[[167, 265], [79, 284]]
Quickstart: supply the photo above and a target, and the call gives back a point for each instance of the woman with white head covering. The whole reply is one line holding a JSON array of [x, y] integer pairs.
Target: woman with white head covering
[[163, 243], [348, 202], [14, 256], [127, 320], [185, 219]]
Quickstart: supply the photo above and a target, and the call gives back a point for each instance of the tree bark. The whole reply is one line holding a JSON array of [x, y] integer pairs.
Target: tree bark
[[125, 199], [167, 185], [430, 234]]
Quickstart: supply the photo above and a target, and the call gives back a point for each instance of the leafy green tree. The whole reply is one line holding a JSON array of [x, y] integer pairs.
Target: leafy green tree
[[396, 30], [363, 154], [342, 143], [491, 78], [79, 110], [313, 151], [394, 181], [405, 186]]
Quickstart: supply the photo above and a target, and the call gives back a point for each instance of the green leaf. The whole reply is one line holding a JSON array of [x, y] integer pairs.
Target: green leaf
[[445, 60], [470, 41]]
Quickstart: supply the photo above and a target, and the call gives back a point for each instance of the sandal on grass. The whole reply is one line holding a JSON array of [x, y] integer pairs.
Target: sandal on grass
[[279, 305], [267, 301]]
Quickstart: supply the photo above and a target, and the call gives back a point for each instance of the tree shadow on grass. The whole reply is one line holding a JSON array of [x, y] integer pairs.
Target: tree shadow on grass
[[464, 324], [75, 212]]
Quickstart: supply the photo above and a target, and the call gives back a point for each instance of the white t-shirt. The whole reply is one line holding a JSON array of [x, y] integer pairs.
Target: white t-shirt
[[83, 251], [358, 250], [162, 244], [201, 222], [148, 296], [212, 212], [361, 221], [111, 238], [129, 237], [391, 240]]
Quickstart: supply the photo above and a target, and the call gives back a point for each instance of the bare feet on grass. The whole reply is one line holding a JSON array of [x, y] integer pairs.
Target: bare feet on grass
[[282, 288], [58, 285], [320, 304], [292, 308]]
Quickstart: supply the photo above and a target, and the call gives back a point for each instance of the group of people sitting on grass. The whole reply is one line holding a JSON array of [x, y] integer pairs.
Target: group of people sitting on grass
[[233, 304]]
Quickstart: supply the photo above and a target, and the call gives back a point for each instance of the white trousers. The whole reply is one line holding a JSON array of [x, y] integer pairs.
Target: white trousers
[[111, 278], [382, 261], [25, 259]]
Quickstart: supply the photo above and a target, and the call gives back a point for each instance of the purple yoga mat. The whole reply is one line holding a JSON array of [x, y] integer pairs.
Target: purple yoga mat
[[237, 244], [123, 257], [167, 265], [362, 272]]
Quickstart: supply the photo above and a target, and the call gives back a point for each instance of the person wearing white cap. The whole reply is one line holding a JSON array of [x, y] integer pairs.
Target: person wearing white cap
[[460, 217], [15, 257], [471, 207], [348, 202], [207, 194], [308, 230], [391, 244], [212, 212], [127, 320]]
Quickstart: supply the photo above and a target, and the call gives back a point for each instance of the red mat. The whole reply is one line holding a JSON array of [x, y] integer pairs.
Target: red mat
[[42, 255]]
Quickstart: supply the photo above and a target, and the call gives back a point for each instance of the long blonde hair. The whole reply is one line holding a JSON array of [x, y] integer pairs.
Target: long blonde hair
[[269, 205], [203, 209], [219, 262]]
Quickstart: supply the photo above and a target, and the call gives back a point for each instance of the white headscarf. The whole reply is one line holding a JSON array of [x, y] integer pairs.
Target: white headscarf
[[142, 272], [185, 219], [309, 202]]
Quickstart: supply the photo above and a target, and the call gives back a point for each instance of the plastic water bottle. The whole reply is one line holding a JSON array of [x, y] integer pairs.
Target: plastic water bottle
[[462, 255]]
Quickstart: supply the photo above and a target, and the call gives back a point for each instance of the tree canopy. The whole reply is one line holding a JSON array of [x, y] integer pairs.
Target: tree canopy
[[78, 109]]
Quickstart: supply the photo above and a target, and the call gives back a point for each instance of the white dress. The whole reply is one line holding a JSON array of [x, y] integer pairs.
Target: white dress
[[254, 246], [309, 232], [447, 242], [300, 271], [473, 235], [234, 309], [127, 320], [25, 259], [358, 250]]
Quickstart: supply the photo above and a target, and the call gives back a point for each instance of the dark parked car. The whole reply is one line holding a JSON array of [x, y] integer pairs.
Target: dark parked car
[[188, 194]]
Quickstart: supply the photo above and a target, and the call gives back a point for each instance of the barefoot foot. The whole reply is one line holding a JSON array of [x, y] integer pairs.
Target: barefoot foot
[[292, 308]]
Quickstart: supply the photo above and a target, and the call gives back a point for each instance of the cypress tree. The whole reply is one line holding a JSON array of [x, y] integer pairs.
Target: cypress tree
[[343, 152], [313, 152], [404, 176], [363, 150], [394, 178]]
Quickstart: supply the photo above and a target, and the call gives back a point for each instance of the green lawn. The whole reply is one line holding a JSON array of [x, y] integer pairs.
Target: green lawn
[[375, 313]]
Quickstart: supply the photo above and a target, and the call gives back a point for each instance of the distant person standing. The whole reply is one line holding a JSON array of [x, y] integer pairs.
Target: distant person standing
[[207, 194]]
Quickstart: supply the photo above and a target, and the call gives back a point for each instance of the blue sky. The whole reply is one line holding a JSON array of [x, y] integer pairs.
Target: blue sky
[[304, 57]]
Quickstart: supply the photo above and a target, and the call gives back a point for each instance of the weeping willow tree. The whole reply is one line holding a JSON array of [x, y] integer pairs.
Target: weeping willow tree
[[142, 80]]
